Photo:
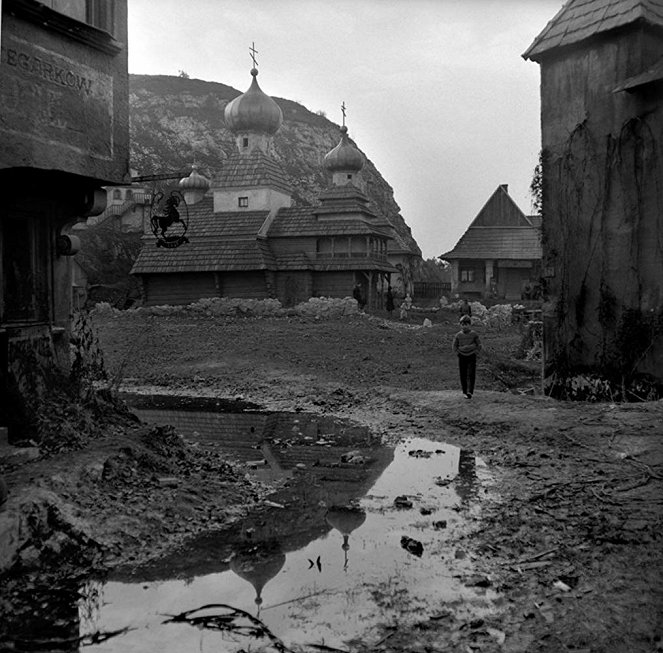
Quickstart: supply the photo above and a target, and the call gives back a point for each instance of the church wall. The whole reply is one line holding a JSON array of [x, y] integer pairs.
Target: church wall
[[257, 199], [333, 284], [178, 289], [602, 202], [294, 287], [244, 285]]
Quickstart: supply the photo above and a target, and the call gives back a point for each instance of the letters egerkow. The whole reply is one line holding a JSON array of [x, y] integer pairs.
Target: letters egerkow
[[45, 70]]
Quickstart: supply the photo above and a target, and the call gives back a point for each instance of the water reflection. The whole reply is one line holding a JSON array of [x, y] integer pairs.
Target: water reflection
[[276, 579], [345, 519], [282, 574], [258, 563]]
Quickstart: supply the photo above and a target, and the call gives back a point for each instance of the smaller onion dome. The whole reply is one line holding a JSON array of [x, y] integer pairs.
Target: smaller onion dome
[[253, 111], [195, 181], [344, 156]]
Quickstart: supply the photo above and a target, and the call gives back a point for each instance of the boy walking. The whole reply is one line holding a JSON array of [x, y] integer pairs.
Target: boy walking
[[467, 345]]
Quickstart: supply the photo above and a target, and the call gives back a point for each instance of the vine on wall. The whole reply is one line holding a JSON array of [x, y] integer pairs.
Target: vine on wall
[[606, 201]]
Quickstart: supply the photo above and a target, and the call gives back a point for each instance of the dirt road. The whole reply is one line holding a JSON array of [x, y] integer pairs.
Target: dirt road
[[569, 535]]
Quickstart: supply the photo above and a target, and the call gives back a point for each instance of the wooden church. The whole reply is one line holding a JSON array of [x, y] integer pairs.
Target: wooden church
[[248, 240]]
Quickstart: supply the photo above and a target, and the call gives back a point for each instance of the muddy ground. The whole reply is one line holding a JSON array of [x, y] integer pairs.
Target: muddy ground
[[569, 533]]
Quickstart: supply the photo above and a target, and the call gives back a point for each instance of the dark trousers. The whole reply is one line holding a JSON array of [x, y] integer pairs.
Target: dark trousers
[[468, 371]]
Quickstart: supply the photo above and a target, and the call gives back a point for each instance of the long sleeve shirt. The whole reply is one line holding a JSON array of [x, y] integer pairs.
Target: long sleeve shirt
[[466, 344]]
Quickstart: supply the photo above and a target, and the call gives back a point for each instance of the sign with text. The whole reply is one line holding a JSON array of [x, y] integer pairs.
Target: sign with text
[[55, 100]]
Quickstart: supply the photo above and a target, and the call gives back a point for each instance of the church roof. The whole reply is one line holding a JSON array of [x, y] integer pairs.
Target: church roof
[[303, 221], [256, 169], [499, 231], [217, 242], [579, 20]]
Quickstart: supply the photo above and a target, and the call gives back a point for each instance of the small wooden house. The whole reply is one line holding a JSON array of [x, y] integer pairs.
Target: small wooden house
[[499, 256], [247, 240], [602, 138]]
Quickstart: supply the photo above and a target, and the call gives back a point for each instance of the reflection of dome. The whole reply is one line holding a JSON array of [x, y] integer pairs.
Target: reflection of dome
[[253, 111], [345, 519], [258, 564], [195, 181], [345, 156]]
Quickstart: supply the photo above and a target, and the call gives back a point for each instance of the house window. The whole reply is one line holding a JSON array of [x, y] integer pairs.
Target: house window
[[467, 275], [24, 268], [349, 176], [117, 194], [97, 13], [245, 142], [243, 202]]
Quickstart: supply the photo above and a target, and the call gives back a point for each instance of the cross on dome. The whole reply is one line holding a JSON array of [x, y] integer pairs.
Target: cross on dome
[[343, 112], [253, 52]]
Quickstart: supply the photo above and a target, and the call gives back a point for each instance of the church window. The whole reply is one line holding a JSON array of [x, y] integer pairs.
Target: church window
[[243, 202], [467, 275]]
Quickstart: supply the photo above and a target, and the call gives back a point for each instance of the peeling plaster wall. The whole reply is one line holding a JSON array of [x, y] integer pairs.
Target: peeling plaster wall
[[603, 208]]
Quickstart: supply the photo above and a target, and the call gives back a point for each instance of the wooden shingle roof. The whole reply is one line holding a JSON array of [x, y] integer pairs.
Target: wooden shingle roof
[[516, 243], [579, 20], [217, 242], [256, 169], [303, 221]]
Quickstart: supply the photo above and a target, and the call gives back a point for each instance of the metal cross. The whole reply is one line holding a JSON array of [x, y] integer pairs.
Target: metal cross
[[343, 112], [253, 52]]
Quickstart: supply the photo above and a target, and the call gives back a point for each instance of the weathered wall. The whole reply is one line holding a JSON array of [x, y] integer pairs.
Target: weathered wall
[[602, 210], [178, 289], [64, 101]]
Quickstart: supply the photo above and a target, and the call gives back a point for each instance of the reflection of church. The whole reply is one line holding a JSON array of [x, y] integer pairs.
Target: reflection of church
[[345, 519], [248, 239], [258, 563]]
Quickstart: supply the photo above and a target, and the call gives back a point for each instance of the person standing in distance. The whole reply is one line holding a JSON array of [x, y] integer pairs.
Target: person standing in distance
[[466, 346]]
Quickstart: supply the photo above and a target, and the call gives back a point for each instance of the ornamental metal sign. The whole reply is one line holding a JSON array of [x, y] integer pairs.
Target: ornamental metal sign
[[169, 216]]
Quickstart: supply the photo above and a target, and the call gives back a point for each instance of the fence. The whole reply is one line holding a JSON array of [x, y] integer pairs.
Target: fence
[[431, 289]]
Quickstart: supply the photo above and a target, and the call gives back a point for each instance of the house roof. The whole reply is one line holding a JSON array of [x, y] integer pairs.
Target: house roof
[[515, 243], [256, 169], [499, 231], [579, 20]]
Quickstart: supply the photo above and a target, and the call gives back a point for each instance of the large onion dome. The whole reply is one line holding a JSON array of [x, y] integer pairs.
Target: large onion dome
[[253, 111], [195, 181], [345, 156]]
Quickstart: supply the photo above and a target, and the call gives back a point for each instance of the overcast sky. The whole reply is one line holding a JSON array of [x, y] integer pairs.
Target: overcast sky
[[437, 93]]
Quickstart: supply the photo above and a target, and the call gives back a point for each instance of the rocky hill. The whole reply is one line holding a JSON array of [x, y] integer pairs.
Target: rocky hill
[[176, 120]]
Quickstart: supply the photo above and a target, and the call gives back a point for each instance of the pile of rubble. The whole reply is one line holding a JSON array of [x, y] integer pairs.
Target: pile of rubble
[[316, 307]]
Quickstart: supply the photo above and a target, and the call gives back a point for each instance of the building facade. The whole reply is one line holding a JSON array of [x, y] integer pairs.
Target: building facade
[[65, 135], [499, 256], [602, 137], [248, 240]]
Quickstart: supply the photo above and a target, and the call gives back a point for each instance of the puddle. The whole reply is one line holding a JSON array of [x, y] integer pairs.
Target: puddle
[[359, 537]]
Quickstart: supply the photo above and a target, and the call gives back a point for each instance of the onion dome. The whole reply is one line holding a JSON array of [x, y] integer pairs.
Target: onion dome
[[258, 565], [345, 156], [253, 111], [195, 181], [345, 519]]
